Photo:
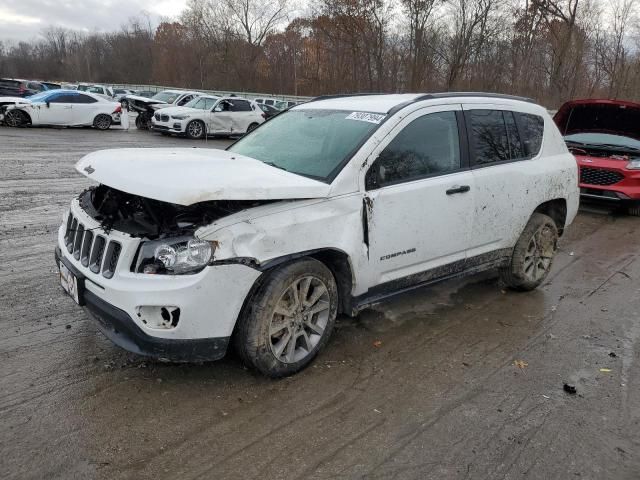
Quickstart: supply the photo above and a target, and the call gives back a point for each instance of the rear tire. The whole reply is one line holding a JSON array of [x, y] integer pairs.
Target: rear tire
[[251, 127], [196, 130], [289, 319], [102, 121], [533, 254], [16, 118]]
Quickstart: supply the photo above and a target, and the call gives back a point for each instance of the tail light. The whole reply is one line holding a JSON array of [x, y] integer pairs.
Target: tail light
[[118, 109], [264, 115]]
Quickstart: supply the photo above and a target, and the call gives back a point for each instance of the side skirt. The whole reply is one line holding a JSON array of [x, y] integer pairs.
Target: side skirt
[[467, 266]]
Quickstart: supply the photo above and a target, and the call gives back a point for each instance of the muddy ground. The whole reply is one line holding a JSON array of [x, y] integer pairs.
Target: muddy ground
[[439, 398]]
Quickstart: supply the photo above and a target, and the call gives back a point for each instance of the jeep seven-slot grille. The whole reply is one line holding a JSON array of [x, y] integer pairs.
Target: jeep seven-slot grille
[[94, 251], [598, 176]]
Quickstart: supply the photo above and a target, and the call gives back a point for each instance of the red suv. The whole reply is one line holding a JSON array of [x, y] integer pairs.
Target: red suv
[[604, 136]]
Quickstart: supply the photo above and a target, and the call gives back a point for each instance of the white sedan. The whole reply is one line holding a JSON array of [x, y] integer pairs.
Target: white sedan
[[69, 108], [226, 116]]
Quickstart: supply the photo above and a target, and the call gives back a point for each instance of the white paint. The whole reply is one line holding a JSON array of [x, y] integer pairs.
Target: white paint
[[190, 175]]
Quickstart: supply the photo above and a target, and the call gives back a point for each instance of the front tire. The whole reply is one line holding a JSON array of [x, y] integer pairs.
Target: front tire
[[196, 130], [102, 121], [289, 319], [533, 254], [16, 118]]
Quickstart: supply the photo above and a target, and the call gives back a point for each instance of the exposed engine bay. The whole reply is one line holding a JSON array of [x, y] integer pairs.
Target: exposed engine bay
[[152, 219], [598, 153]]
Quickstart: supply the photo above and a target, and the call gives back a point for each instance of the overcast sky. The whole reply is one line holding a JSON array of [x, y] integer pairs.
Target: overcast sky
[[25, 19]]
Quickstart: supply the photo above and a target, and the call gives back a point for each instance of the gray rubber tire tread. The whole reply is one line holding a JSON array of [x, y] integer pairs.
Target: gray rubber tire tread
[[251, 339], [513, 274]]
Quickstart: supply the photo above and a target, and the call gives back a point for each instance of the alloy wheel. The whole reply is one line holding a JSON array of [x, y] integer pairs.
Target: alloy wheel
[[13, 118], [299, 319], [540, 251], [195, 130]]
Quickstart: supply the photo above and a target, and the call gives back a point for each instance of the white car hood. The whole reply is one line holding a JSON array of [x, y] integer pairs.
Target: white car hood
[[144, 99], [185, 176], [14, 100], [179, 110]]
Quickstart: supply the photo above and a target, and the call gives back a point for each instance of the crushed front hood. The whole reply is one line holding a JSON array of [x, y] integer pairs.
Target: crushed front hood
[[599, 116], [186, 176], [146, 100]]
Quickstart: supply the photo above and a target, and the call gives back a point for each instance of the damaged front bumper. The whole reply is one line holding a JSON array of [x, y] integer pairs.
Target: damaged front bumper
[[176, 127], [118, 326], [181, 318]]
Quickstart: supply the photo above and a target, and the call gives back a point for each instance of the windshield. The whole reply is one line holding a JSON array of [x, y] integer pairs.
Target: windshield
[[202, 103], [603, 139], [95, 90], [41, 96], [168, 97], [313, 143]]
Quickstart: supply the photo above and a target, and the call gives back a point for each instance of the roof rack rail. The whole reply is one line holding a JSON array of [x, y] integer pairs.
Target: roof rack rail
[[342, 95], [476, 94]]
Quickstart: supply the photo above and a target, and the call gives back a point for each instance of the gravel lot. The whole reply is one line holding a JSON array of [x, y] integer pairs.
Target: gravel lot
[[439, 398]]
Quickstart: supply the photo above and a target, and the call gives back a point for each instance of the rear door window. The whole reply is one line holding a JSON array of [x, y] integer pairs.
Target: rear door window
[[240, 106], [495, 136], [81, 98]]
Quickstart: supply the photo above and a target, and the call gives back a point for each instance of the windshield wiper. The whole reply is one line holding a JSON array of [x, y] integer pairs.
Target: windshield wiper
[[271, 164], [616, 147], [603, 146]]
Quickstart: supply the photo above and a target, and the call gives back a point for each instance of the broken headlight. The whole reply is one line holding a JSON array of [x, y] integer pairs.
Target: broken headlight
[[174, 256]]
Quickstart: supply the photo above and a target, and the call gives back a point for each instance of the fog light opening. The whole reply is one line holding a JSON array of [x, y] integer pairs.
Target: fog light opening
[[161, 318]]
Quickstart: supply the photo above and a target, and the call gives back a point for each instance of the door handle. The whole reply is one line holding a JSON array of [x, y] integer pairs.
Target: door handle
[[458, 189]]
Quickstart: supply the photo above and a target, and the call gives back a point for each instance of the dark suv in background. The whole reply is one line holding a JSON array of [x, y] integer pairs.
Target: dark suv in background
[[10, 87]]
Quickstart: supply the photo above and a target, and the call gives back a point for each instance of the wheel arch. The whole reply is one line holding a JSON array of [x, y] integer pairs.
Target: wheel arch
[[336, 260], [557, 210], [29, 120]]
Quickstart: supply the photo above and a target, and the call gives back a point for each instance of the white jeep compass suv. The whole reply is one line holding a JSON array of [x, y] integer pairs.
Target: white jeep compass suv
[[327, 208]]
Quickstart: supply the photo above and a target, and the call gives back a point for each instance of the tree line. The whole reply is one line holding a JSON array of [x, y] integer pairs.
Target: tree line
[[550, 50]]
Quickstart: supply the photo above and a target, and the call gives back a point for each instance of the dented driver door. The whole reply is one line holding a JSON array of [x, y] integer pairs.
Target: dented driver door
[[419, 199]]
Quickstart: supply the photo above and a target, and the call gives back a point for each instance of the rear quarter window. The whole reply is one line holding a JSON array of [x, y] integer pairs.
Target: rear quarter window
[[532, 127]]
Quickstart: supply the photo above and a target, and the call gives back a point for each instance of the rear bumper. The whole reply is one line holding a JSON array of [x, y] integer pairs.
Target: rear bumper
[[118, 326]]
